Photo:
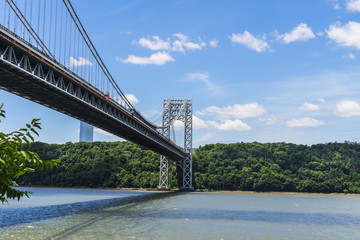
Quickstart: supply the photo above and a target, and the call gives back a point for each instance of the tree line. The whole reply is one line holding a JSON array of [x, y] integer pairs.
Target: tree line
[[333, 167]]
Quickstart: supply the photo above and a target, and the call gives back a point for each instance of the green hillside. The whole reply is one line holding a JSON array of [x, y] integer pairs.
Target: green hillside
[[326, 168]]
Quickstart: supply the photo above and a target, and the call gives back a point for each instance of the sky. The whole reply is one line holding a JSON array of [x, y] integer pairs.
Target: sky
[[259, 70]]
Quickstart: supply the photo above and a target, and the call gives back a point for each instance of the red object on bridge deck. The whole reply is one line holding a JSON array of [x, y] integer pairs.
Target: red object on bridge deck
[[107, 97]]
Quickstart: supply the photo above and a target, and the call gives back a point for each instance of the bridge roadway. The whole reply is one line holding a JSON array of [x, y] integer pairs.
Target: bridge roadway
[[29, 73]]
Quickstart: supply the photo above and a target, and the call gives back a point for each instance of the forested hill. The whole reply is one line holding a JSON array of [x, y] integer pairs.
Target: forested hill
[[333, 167]]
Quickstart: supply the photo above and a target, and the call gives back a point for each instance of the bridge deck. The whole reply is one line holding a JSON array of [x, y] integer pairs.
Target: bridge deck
[[28, 73]]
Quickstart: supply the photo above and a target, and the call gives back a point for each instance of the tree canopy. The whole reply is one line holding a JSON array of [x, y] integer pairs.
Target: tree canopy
[[15, 161], [333, 167]]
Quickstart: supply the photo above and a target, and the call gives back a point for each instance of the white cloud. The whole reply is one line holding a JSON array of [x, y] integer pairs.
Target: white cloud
[[309, 107], [104, 133], [335, 4], [235, 111], [183, 43], [80, 62], [132, 99], [226, 125], [204, 78], [250, 41], [154, 43], [347, 108], [353, 5], [270, 120], [233, 125], [299, 33], [347, 35], [321, 100], [214, 43], [304, 122], [159, 58], [178, 125], [199, 123], [349, 56]]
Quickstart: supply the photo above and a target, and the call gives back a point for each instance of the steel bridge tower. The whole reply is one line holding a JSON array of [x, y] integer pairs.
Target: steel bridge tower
[[173, 110]]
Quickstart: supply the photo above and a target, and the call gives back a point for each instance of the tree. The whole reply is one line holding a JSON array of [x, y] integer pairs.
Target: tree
[[16, 161]]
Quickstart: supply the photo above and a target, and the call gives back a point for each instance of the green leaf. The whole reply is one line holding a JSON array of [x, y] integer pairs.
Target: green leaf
[[29, 135], [33, 130]]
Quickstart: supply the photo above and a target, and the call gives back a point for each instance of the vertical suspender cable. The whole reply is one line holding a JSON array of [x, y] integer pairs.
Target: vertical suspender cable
[[70, 47], [15, 21], [43, 36], [66, 20], [55, 27], [9, 18], [4, 13], [31, 5], [50, 25], [38, 24], [25, 17], [36, 37], [95, 53], [61, 31]]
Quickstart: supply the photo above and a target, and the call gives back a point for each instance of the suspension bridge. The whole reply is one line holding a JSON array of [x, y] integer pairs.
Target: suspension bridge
[[47, 57]]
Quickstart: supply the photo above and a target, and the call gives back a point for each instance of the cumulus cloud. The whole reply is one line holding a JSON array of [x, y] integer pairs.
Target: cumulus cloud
[[304, 122], [159, 58], [178, 43], [214, 43], [300, 33], [347, 108], [233, 125], [347, 35], [250, 41], [226, 125], [270, 120], [183, 43], [154, 43], [353, 5], [309, 107], [199, 123], [132, 99], [79, 62], [234, 111]]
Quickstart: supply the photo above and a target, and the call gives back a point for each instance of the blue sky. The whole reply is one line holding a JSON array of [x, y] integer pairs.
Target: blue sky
[[266, 71]]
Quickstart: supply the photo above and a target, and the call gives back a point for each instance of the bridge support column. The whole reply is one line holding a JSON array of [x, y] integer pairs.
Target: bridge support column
[[174, 110], [187, 173], [164, 173]]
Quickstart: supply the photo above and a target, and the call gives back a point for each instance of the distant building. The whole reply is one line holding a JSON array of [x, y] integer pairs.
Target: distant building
[[86, 132], [352, 143]]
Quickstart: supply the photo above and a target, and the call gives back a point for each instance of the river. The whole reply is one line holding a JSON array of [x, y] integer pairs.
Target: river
[[53, 213]]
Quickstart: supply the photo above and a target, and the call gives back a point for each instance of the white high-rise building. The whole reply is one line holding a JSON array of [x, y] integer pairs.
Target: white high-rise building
[[86, 132]]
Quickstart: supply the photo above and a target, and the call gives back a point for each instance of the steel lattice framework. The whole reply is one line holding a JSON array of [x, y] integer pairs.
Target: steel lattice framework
[[47, 57], [173, 110]]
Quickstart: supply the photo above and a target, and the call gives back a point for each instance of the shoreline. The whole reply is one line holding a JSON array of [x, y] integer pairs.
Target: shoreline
[[276, 193], [205, 191]]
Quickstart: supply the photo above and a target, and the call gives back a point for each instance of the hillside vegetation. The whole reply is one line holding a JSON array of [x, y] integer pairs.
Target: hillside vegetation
[[326, 168]]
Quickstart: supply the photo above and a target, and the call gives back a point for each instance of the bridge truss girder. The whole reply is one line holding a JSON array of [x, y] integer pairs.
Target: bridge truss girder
[[173, 110], [29, 73]]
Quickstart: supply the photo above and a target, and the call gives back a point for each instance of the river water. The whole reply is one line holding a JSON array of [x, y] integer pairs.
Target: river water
[[109, 214]]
